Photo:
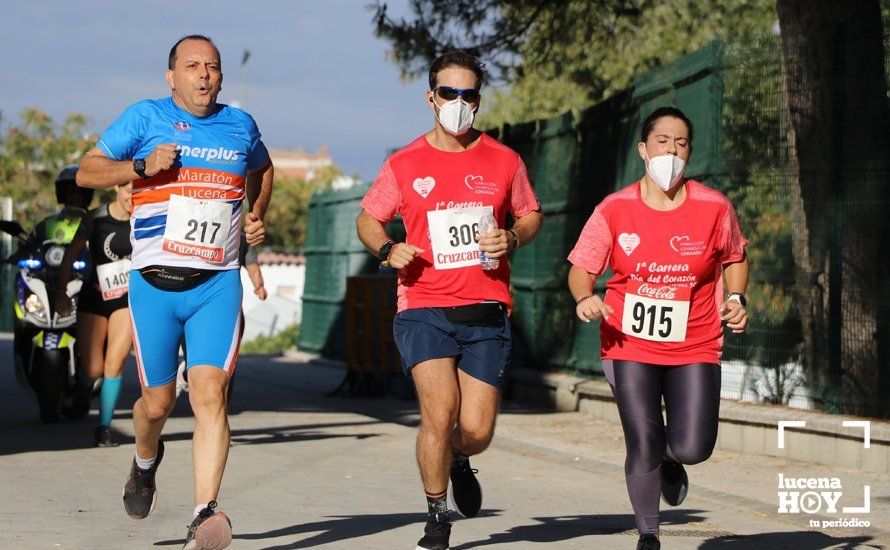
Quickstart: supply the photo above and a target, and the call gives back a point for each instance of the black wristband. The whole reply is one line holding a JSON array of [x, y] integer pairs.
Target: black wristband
[[139, 168], [384, 251]]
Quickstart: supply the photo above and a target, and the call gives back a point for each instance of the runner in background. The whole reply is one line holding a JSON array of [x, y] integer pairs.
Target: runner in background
[[672, 244], [104, 335]]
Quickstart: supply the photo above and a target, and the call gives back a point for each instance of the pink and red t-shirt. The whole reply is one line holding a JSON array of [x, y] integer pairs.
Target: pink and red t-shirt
[[667, 285], [441, 196]]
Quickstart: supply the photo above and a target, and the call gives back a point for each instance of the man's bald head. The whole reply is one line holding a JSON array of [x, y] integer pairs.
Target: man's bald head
[[171, 59]]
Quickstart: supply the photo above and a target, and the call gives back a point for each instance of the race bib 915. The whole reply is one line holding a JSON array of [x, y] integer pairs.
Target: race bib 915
[[197, 228], [453, 235], [659, 313]]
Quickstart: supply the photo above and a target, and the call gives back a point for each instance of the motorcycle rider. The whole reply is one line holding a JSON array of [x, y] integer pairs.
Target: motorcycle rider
[[70, 226], [63, 225], [50, 239]]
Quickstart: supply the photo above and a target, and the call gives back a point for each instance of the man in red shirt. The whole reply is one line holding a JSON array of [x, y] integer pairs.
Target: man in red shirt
[[452, 328]]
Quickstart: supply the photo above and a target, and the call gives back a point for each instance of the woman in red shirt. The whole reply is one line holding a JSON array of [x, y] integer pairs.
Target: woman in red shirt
[[672, 243]]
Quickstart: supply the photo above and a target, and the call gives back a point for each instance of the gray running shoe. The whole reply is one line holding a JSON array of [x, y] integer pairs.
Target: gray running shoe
[[209, 530], [140, 492], [104, 437]]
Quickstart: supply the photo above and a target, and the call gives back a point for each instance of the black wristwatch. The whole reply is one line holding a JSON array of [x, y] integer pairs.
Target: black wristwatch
[[384, 251], [738, 296], [139, 167]]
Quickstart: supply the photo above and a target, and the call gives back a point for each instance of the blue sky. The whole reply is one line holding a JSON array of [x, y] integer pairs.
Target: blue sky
[[317, 73]]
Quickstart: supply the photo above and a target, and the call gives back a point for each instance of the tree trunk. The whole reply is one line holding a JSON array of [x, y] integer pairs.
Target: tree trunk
[[835, 95]]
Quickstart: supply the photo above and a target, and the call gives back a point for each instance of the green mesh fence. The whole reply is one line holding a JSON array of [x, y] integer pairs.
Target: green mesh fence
[[813, 204], [333, 253]]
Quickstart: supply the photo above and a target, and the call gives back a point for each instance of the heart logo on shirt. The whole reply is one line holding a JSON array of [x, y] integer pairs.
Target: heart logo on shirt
[[676, 241], [471, 181], [628, 242], [424, 186]]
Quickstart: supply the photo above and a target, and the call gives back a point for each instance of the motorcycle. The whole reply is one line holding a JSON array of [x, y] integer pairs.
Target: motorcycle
[[45, 346]]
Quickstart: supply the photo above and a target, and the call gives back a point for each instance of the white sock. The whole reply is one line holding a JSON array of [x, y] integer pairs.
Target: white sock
[[198, 509], [145, 463]]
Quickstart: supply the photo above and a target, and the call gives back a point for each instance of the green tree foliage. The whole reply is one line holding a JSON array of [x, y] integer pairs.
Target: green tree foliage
[[288, 215], [32, 153], [560, 55], [754, 167], [272, 345]]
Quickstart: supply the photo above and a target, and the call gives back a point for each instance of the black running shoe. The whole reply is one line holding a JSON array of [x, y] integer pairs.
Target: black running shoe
[[648, 542], [674, 483], [466, 493], [209, 530], [104, 437], [140, 493], [436, 533]]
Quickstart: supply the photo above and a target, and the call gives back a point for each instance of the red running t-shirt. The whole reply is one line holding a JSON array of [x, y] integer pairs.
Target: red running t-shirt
[[668, 286], [442, 196]]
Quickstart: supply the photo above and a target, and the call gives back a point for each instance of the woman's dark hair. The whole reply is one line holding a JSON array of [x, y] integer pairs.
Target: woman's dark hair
[[661, 112], [457, 58]]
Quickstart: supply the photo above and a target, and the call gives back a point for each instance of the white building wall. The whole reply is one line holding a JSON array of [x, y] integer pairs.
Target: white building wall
[[284, 306]]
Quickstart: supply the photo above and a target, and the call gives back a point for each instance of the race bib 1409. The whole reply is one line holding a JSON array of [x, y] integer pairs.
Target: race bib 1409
[[114, 279]]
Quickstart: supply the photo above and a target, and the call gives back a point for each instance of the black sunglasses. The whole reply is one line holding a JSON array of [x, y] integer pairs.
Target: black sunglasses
[[470, 95]]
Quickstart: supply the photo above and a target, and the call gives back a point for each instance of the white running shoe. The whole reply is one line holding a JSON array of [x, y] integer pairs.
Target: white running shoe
[[182, 385]]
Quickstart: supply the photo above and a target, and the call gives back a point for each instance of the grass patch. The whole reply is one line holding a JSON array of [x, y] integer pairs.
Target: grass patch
[[275, 345]]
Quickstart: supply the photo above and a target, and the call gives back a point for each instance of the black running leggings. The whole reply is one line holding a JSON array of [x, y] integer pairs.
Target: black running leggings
[[692, 401]]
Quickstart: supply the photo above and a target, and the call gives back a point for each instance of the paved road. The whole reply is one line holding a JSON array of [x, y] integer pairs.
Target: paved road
[[309, 471]]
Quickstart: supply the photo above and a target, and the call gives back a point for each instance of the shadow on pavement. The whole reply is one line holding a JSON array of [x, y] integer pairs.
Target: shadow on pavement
[[281, 434], [562, 528], [33, 436], [811, 540], [263, 384], [329, 531]]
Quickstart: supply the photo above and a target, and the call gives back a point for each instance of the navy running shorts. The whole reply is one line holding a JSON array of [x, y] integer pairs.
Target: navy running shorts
[[483, 352]]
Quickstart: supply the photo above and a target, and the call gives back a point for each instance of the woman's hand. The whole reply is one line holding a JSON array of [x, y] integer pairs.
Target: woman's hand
[[735, 315], [591, 308]]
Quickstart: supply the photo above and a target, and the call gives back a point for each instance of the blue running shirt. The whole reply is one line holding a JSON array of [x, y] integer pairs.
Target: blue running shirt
[[190, 214]]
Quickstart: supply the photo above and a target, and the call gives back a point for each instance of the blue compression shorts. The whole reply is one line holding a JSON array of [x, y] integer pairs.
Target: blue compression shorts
[[208, 316]]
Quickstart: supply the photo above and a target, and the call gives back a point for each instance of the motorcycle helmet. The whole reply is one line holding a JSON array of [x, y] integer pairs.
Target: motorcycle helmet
[[66, 184]]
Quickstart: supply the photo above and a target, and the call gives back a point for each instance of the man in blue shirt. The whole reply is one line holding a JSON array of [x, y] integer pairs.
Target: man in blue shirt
[[192, 161]]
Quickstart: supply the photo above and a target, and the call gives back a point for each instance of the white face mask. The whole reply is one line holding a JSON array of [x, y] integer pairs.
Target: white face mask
[[456, 116], [665, 170]]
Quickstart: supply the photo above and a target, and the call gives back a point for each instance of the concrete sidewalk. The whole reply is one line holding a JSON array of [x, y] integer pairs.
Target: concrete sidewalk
[[308, 471]]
